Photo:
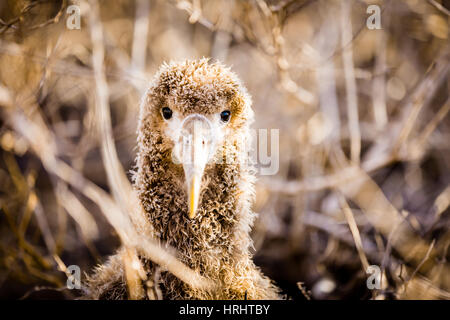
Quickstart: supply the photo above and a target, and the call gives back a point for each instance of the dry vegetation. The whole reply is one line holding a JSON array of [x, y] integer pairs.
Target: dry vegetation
[[364, 138]]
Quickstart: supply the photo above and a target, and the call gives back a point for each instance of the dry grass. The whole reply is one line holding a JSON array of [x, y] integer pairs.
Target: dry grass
[[364, 139]]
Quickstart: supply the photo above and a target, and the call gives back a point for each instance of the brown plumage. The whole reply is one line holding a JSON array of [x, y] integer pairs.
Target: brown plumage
[[208, 222]]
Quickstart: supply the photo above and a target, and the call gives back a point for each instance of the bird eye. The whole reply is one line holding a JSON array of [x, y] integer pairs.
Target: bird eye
[[167, 113], [225, 115]]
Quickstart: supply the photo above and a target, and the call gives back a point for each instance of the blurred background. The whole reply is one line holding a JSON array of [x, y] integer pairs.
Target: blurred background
[[362, 115]]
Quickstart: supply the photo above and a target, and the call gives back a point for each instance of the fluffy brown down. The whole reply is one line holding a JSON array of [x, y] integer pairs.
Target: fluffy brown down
[[216, 242]]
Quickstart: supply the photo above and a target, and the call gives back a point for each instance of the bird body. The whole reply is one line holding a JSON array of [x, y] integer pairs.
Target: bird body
[[201, 208]]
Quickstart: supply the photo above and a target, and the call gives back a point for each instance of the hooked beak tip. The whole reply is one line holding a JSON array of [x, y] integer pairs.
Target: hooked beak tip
[[194, 191]]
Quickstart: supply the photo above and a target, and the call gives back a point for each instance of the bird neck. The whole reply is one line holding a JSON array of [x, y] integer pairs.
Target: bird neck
[[224, 209], [216, 241]]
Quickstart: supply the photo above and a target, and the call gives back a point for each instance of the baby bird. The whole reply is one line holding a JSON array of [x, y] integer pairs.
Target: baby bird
[[195, 183]]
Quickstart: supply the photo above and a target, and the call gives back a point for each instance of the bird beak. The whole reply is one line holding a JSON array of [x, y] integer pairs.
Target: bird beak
[[196, 146]]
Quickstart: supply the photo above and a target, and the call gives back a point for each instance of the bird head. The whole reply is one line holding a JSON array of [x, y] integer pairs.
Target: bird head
[[199, 111]]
